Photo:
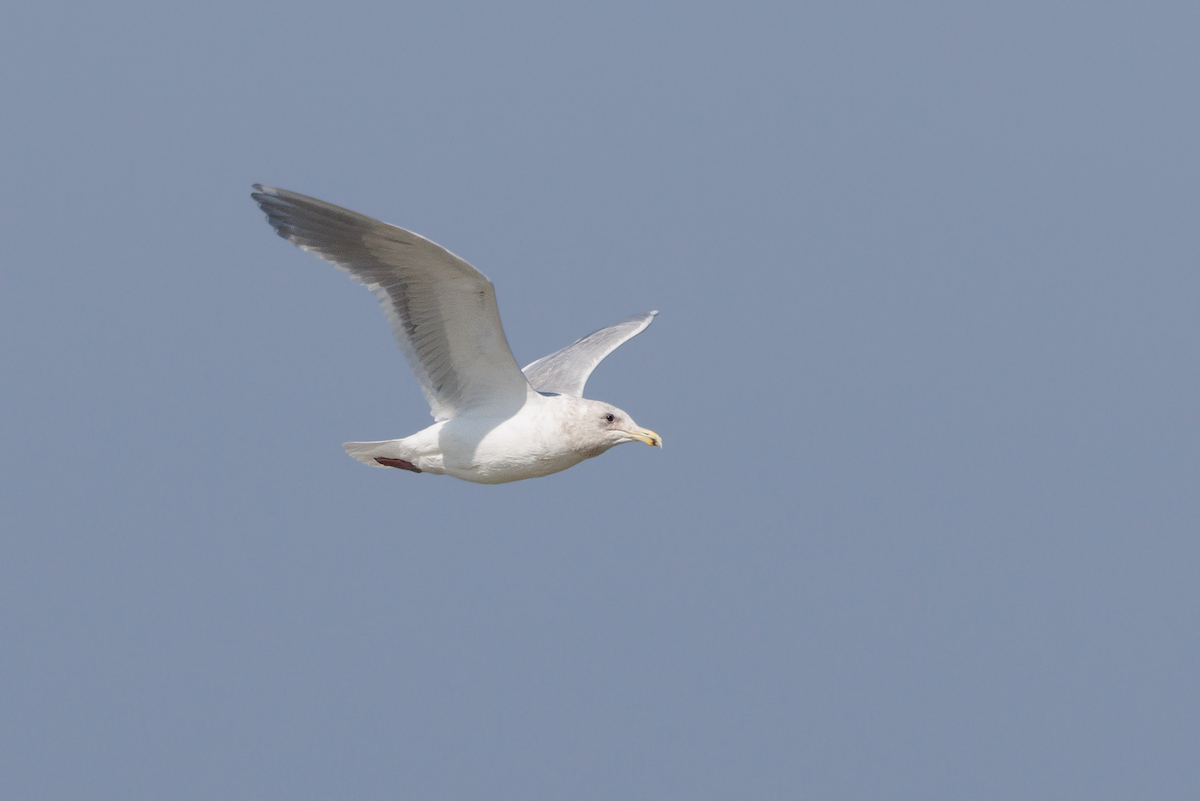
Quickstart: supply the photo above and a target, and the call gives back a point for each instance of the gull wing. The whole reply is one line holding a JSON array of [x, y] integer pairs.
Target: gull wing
[[566, 371], [442, 310]]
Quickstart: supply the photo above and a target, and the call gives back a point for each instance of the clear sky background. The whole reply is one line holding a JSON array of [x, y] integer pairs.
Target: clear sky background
[[927, 368]]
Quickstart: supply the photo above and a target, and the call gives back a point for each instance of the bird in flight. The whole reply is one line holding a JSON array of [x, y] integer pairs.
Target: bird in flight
[[494, 422]]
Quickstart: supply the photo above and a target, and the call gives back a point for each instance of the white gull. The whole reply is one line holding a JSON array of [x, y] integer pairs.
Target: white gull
[[494, 421]]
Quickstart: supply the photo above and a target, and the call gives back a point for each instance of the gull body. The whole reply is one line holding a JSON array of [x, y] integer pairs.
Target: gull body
[[549, 434], [494, 422]]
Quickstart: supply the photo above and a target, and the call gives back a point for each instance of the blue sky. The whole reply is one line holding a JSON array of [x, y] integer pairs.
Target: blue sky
[[925, 522]]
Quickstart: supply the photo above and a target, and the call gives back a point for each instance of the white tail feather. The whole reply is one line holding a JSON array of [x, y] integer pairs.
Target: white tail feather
[[366, 452]]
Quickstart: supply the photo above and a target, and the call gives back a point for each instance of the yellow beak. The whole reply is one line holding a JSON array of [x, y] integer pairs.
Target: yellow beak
[[647, 436]]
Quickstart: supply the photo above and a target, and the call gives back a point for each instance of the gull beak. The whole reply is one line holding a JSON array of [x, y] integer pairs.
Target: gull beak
[[646, 435]]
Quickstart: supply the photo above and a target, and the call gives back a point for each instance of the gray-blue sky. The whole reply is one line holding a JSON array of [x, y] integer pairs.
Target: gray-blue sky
[[926, 521]]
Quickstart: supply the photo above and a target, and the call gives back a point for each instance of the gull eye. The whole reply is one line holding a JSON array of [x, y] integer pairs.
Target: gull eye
[[609, 417]]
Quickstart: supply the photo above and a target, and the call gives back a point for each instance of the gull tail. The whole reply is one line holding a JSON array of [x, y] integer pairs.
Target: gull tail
[[367, 452]]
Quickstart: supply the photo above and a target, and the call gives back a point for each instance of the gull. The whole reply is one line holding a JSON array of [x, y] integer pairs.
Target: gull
[[494, 422]]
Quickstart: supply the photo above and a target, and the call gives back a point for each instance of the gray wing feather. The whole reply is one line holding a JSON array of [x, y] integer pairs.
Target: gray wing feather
[[566, 371], [442, 310]]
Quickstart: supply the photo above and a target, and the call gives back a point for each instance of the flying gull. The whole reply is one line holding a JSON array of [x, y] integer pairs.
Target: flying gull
[[494, 421]]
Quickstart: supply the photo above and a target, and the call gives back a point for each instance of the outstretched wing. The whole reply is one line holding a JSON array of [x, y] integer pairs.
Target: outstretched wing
[[442, 310], [566, 371]]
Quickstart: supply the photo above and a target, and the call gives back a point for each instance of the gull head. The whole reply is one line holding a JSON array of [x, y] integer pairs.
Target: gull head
[[597, 426]]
